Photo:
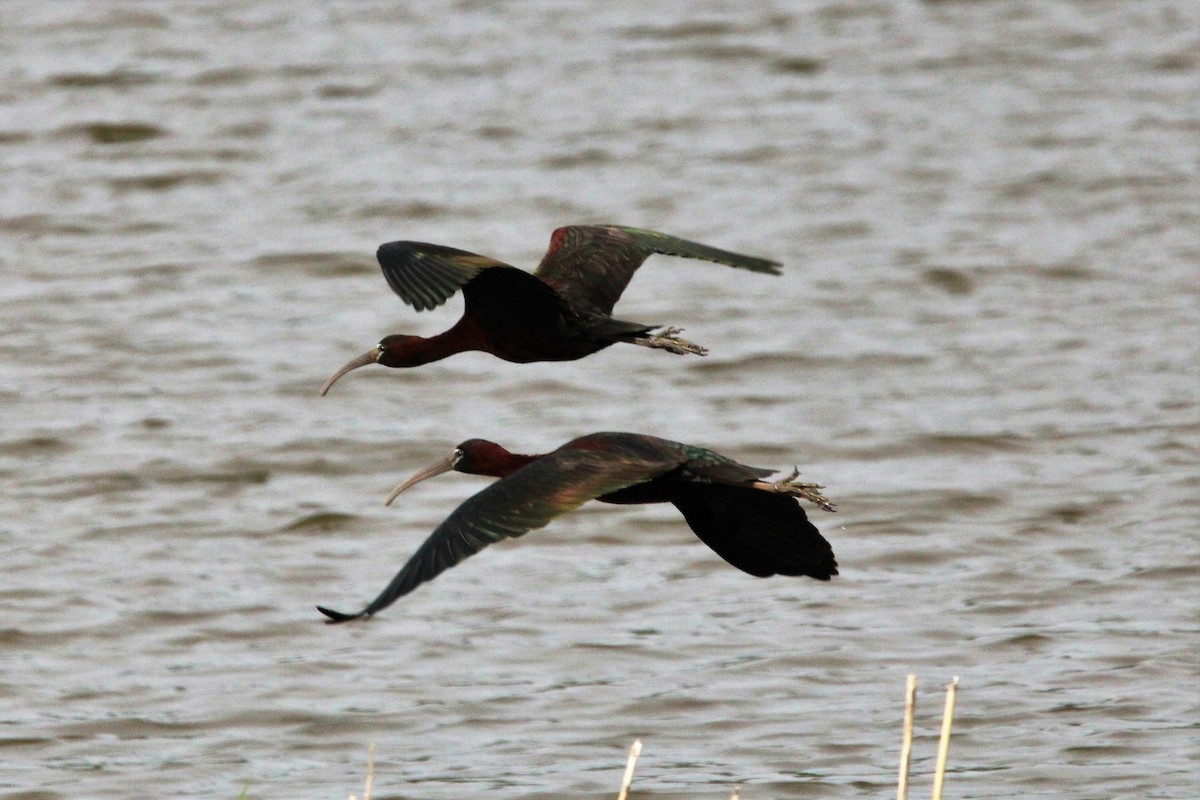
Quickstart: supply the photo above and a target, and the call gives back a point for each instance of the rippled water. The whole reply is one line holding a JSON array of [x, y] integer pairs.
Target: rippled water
[[985, 343]]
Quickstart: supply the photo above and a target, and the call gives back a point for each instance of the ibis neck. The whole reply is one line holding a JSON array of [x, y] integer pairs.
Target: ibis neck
[[457, 339], [435, 348], [507, 463]]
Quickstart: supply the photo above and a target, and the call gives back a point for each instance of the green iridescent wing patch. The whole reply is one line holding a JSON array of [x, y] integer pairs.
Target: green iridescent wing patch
[[594, 263], [426, 275], [524, 501]]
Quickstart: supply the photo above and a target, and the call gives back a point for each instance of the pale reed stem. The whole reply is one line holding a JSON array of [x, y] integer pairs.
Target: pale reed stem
[[944, 745], [910, 704], [627, 781]]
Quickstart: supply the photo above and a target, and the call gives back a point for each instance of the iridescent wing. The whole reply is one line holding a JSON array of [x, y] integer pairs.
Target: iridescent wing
[[426, 275], [592, 264], [526, 500]]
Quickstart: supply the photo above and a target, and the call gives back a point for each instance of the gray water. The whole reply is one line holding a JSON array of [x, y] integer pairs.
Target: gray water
[[986, 344]]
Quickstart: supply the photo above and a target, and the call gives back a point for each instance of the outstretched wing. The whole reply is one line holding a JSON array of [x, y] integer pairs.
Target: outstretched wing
[[526, 500], [426, 275], [758, 532], [593, 264]]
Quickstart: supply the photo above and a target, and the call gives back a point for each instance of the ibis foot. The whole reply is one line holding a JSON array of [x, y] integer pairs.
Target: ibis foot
[[668, 339], [789, 485]]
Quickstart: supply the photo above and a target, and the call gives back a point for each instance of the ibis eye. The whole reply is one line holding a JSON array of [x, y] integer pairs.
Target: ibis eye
[[458, 456]]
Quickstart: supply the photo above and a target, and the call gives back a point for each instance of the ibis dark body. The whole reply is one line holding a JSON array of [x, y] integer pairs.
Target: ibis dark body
[[560, 312], [755, 525]]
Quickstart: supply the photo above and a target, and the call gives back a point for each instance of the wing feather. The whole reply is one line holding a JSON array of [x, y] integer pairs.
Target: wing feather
[[526, 500], [593, 264], [758, 532], [426, 275]]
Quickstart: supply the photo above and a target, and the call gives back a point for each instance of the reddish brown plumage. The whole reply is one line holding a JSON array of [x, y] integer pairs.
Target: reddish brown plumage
[[757, 527], [561, 312]]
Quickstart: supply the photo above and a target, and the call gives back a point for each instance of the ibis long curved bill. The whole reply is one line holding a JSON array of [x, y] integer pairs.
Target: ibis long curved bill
[[445, 465], [369, 357]]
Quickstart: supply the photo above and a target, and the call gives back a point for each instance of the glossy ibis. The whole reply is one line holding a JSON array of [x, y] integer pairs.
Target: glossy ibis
[[754, 524], [563, 311]]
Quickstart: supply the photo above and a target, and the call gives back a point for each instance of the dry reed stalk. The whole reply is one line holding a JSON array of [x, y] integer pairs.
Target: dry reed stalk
[[370, 773], [627, 781], [944, 744], [910, 704]]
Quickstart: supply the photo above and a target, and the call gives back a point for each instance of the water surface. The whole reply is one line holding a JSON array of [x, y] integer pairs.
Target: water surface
[[984, 345]]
